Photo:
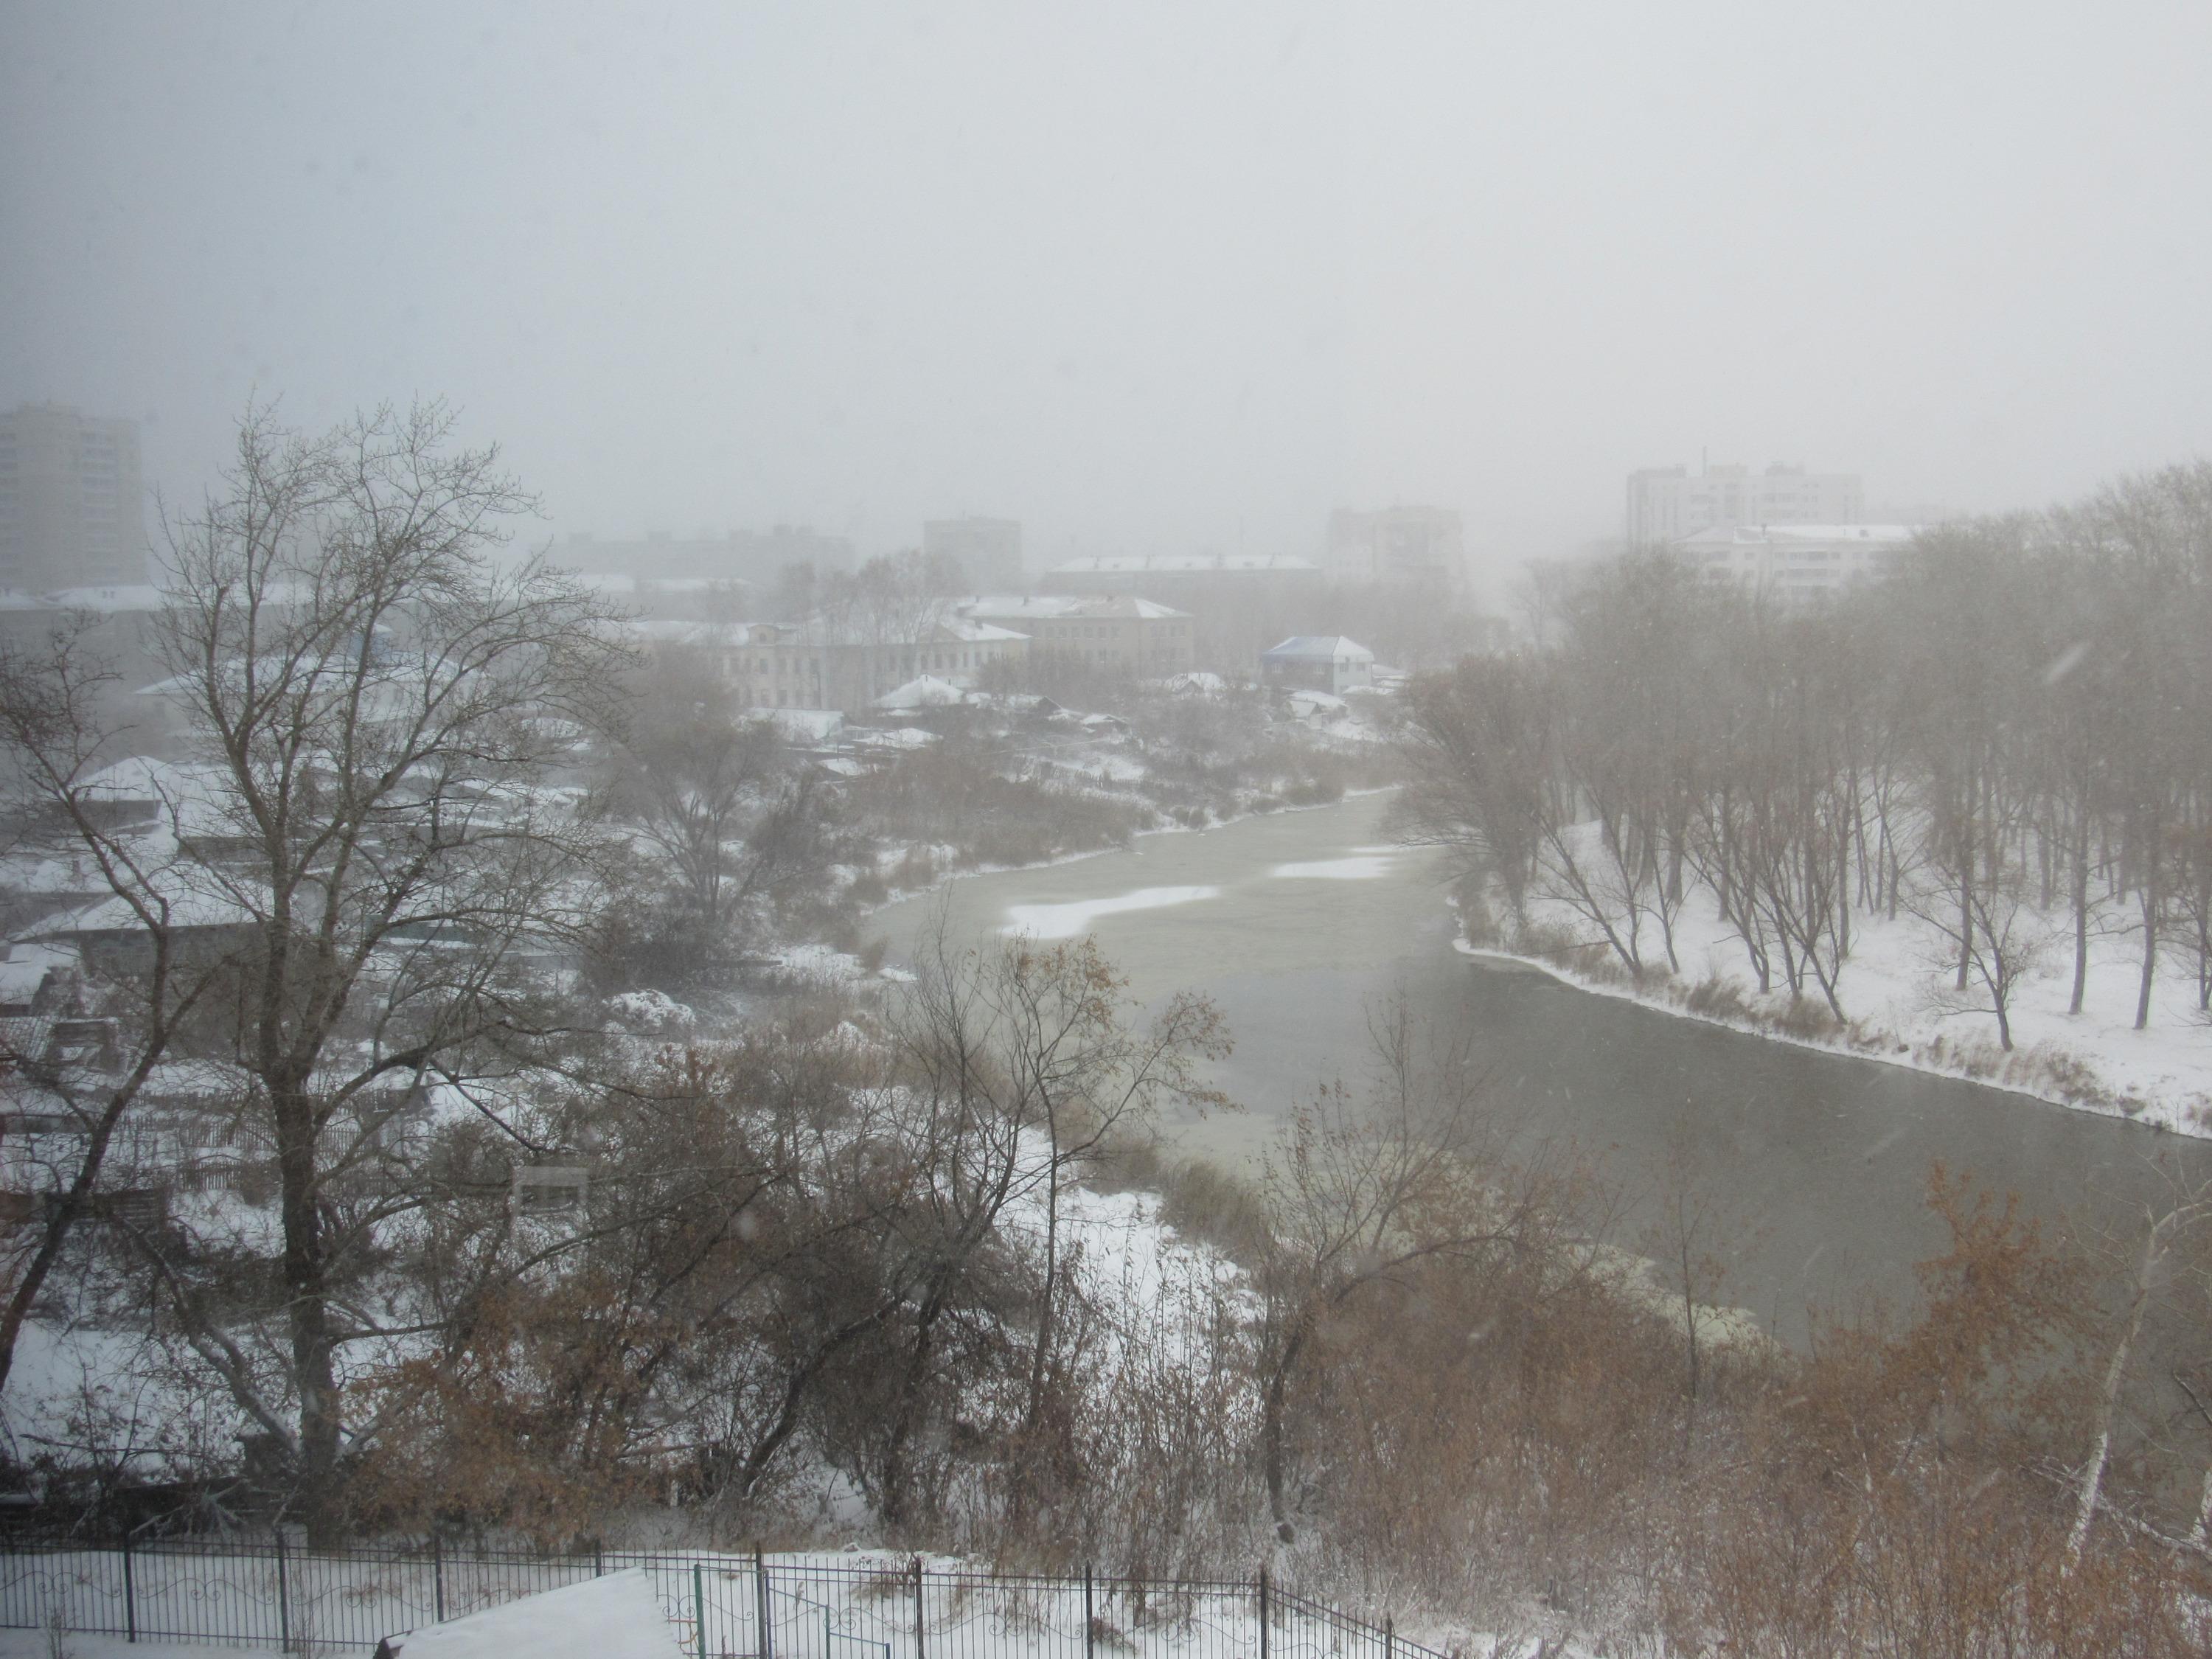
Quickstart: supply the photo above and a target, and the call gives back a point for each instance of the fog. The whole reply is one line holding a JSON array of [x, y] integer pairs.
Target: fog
[[1164, 279]]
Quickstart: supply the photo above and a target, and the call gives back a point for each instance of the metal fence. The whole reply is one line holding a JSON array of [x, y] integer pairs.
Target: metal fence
[[720, 1606]]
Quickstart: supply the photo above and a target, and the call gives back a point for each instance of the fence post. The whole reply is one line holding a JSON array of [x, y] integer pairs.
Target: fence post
[[599, 1559], [699, 1605], [761, 1607], [1388, 1634], [438, 1576], [1090, 1617], [825, 1631], [1263, 1612], [130, 1593], [921, 1638], [283, 1598]]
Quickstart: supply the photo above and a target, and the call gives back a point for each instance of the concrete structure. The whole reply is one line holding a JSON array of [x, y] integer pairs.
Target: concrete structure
[[1112, 633], [1318, 662], [1665, 504], [72, 503], [989, 550], [1411, 544], [1797, 561]]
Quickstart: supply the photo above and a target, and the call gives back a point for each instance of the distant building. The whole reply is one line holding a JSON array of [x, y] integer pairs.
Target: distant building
[[824, 665], [1797, 561], [758, 556], [1109, 632], [989, 550], [1318, 662], [72, 501], [1665, 504], [1238, 601], [675, 599], [1410, 544]]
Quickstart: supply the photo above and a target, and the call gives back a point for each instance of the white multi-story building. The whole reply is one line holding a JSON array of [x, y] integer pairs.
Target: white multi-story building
[[989, 550], [72, 505], [1796, 560], [1665, 504], [1422, 544]]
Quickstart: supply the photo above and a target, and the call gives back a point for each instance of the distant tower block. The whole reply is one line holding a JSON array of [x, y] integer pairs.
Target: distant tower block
[[989, 550], [72, 505]]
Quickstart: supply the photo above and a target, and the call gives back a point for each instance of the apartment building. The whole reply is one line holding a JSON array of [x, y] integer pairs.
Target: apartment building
[[989, 551], [72, 501], [1112, 633], [1796, 562], [1665, 504], [1410, 544]]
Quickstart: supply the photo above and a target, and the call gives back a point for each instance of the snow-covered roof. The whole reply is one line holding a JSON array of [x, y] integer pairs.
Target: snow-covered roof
[[1182, 564], [618, 1616], [802, 725], [926, 691], [1017, 608], [1317, 647], [1195, 683], [1735, 535]]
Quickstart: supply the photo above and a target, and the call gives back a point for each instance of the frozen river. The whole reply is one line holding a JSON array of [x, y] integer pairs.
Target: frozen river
[[1293, 922]]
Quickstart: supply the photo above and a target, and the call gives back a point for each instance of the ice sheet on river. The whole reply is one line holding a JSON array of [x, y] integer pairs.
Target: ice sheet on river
[[1068, 920]]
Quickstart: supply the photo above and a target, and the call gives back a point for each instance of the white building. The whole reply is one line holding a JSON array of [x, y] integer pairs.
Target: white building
[[1414, 545], [989, 550], [72, 504], [1665, 504], [1318, 662], [1796, 560]]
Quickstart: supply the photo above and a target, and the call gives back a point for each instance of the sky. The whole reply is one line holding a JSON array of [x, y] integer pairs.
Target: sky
[[1148, 278]]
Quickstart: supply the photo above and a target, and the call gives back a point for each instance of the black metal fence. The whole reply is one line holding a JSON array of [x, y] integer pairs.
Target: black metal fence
[[853, 1605]]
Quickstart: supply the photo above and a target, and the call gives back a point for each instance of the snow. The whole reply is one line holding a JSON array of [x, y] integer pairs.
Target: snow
[[1896, 989], [1070, 920], [1366, 868], [32, 1644], [617, 1616]]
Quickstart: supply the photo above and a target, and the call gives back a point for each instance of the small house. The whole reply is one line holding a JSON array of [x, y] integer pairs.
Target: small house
[[1318, 662]]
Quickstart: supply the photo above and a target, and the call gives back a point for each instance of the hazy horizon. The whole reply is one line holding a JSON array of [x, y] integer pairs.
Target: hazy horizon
[[1162, 281]]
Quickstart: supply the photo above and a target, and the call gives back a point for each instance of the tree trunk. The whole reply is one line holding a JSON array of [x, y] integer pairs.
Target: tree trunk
[[2108, 1396], [2081, 897], [307, 1284]]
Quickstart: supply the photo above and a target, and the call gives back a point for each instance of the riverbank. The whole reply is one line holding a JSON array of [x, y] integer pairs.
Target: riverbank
[[1905, 1012]]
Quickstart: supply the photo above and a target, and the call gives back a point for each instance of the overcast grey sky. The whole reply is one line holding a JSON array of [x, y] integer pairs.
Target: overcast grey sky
[[1149, 277]]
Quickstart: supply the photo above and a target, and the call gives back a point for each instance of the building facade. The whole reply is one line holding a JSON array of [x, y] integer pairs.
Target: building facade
[[1318, 662], [1426, 546], [816, 663], [1110, 633], [1665, 504], [1796, 561], [989, 551], [757, 557], [72, 501]]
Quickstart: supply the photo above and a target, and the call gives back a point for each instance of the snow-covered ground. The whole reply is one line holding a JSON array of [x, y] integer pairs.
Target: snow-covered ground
[[1897, 989]]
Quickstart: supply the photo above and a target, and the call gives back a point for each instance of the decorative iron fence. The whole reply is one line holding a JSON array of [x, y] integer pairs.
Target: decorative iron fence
[[852, 1606]]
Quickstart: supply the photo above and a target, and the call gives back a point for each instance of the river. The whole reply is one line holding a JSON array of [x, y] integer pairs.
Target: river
[[1294, 923]]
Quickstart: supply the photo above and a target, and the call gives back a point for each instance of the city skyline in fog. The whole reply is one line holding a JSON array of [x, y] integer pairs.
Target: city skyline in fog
[[1174, 280]]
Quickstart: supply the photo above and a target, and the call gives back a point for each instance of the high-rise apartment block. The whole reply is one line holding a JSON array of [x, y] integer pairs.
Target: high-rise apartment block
[[72, 505], [1426, 545], [1665, 504], [989, 550]]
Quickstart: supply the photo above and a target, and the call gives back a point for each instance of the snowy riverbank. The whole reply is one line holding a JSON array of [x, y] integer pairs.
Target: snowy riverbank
[[1904, 1010]]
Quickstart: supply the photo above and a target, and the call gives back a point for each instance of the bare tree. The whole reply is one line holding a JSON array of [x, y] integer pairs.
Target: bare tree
[[371, 706], [1359, 1191]]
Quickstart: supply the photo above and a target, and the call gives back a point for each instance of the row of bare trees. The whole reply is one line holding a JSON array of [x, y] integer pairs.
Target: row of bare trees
[[2003, 737]]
